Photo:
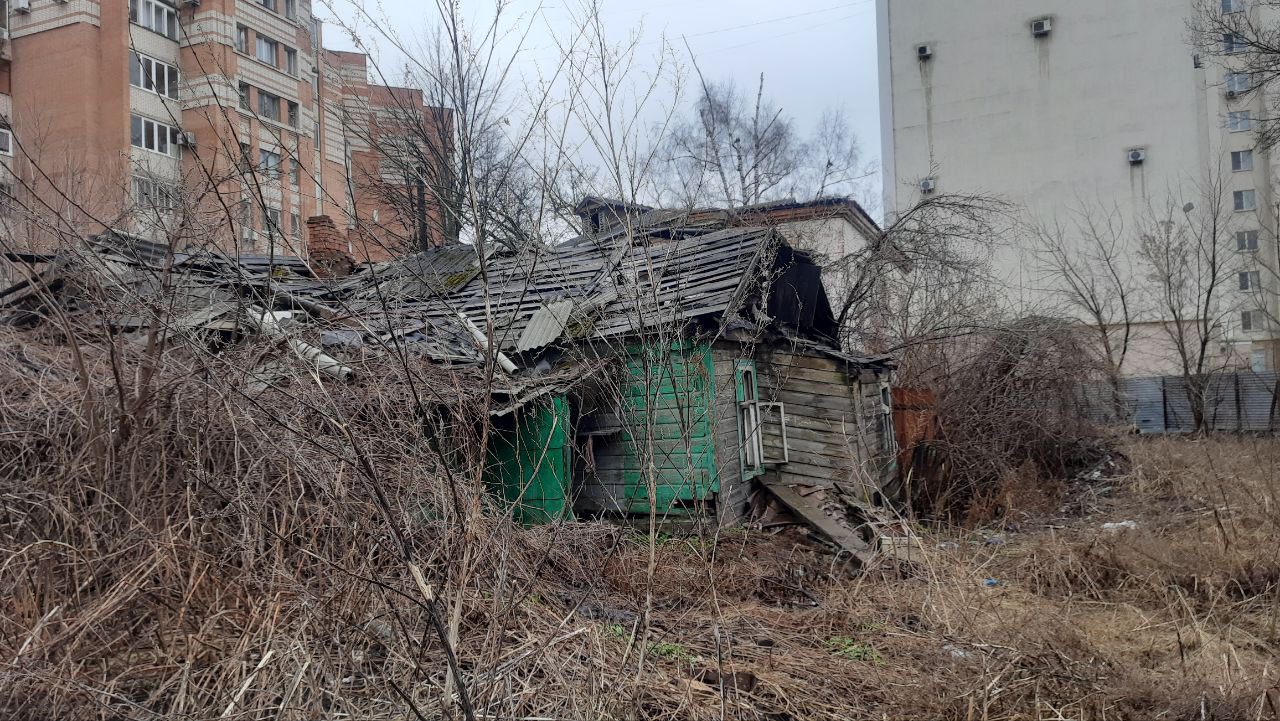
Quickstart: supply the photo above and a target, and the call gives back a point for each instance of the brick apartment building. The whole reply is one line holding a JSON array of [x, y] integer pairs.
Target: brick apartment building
[[148, 116]]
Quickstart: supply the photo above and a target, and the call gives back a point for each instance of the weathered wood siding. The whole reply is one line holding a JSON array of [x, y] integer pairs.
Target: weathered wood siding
[[735, 493], [835, 422]]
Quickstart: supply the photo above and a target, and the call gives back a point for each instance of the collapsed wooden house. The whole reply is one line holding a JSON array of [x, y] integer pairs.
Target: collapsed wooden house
[[714, 374]]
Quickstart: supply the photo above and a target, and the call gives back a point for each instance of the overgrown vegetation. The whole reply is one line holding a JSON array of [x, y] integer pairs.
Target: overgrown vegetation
[[222, 554]]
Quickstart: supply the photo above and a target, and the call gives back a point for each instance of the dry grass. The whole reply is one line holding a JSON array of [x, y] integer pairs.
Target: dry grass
[[214, 554]]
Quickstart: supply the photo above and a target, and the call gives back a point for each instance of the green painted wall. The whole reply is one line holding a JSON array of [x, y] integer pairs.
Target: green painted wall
[[667, 402], [528, 461]]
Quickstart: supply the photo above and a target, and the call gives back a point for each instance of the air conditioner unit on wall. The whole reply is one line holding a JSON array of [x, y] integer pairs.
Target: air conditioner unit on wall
[[924, 52], [1137, 156], [188, 140], [1041, 27], [928, 185]]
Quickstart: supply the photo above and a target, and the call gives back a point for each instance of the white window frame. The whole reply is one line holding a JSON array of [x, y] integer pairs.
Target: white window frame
[[1238, 83], [1250, 280], [1244, 201], [1239, 121], [242, 39], [291, 9], [1247, 321], [272, 101], [172, 136], [247, 232], [156, 16], [291, 60], [150, 72], [261, 43], [269, 163], [1232, 6], [1233, 43], [781, 409], [155, 196], [1241, 161], [271, 222], [6, 142], [750, 435], [1246, 240]]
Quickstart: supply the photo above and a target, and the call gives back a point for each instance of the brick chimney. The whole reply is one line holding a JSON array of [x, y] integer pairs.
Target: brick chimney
[[328, 248]]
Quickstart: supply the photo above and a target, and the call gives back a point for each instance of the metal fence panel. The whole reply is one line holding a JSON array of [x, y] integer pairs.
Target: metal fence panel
[[1160, 404], [1257, 401]]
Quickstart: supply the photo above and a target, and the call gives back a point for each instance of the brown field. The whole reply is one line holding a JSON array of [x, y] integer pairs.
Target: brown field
[[206, 563]]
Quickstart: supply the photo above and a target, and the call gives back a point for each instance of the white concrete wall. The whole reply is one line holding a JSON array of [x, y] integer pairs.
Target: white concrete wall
[[1045, 122]]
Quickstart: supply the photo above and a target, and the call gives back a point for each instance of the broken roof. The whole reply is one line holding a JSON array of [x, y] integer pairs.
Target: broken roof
[[446, 304]]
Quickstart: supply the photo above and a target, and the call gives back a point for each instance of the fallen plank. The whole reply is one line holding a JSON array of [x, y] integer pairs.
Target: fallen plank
[[813, 514]]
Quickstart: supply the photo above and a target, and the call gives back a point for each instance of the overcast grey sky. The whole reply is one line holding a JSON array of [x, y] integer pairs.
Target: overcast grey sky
[[815, 54]]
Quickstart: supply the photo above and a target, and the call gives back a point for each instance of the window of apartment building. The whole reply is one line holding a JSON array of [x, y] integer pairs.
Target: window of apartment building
[[268, 4], [291, 61], [295, 172], [1246, 240], [154, 136], [6, 199], [1250, 280], [271, 222], [151, 74], [246, 221], [268, 106], [6, 141], [155, 196], [246, 156], [244, 96], [1238, 82], [269, 163], [242, 39], [1232, 6], [155, 15], [1239, 121], [291, 9], [295, 225], [293, 113], [267, 50], [1243, 200], [1233, 43], [1252, 320], [1241, 160]]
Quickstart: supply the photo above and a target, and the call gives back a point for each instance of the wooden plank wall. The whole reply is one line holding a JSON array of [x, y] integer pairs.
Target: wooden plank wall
[[734, 494], [833, 422]]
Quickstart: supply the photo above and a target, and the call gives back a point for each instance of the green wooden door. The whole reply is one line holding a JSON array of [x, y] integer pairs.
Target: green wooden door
[[667, 428], [529, 465]]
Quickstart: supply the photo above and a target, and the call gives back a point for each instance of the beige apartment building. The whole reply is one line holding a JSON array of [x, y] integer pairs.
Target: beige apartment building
[[1057, 105], [200, 121]]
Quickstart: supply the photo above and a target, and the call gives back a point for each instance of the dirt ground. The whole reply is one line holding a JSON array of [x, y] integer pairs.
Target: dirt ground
[[283, 602], [1170, 613]]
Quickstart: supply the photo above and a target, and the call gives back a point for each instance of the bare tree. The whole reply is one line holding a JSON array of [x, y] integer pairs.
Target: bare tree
[[739, 150], [927, 284], [1186, 254], [1085, 262]]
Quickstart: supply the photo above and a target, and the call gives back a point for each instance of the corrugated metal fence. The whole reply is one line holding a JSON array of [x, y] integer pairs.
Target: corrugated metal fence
[[1161, 404]]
